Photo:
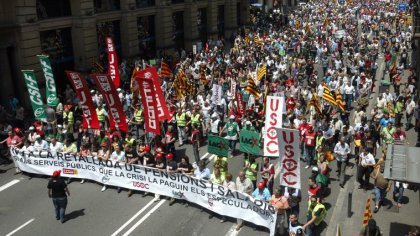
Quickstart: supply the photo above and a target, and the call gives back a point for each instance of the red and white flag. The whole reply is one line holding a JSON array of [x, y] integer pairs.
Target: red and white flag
[[240, 103], [90, 118], [110, 95], [273, 120], [148, 98], [162, 108], [113, 70], [289, 154]]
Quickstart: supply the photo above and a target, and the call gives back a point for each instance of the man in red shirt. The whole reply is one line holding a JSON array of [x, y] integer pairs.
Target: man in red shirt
[[290, 103], [309, 139], [302, 130], [400, 135], [314, 189]]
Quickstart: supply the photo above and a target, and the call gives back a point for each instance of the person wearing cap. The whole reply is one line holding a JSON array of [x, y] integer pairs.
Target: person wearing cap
[[60, 134], [216, 125], [58, 191], [371, 229], [248, 126], [32, 134], [261, 192], [232, 134], [341, 151]]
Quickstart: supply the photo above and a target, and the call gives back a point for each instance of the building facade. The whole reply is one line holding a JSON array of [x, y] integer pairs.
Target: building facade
[[73, 32]]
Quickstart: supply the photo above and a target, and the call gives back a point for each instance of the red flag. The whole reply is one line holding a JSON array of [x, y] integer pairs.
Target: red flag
[[148, 96], [113, 70], [90, 118], [240, 102], [109, 93], [162, 108]]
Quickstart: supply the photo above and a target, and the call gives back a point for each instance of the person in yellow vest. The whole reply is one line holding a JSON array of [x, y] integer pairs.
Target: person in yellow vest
[[68, 118], [181, 122], [316, 214], [138, 119], [196, 119], [251, 170], [102, 115], [129, 140]]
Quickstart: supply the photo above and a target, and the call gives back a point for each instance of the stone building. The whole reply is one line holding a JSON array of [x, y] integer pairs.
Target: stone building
[[72, 32]]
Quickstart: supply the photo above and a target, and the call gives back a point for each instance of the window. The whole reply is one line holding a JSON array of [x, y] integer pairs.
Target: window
[[221, 20], [52, 8], [104, 30], [177, 1], [106, 5], [147, 37], [144, 3], [178, 29], [57, 44], [202, 24]]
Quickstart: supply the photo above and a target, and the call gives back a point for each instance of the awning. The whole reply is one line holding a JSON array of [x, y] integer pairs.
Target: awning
[[402, 163]]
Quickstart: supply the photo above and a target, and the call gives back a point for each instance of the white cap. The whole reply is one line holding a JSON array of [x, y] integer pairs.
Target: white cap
[[315, 168], [92, 91], [231, 117], [59, 126], [31, 128], [248, 122], [37, 136], [118, 89]]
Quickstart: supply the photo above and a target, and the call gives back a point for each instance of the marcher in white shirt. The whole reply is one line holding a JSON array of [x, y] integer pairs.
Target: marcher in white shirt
[[410, 105], [388, 96], [56, 146], [366, 163], [40, 144], [349, 94], [380, 101]]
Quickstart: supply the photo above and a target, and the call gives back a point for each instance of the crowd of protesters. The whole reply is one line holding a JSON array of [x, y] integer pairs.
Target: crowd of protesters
[[348, 44]]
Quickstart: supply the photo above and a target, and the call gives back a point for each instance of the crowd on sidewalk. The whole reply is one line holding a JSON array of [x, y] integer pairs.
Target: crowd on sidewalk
[[328, 106]]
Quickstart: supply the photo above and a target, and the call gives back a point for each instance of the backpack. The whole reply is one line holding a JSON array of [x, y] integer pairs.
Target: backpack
[[321, 180]]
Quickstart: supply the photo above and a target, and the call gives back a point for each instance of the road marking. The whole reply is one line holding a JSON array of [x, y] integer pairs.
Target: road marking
[[20, 227], [11, 183], [232, 231], [204, 156], [134, 217], [144, 218]]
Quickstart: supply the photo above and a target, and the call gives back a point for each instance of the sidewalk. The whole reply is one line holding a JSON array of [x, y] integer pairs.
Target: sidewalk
[[392, 220]]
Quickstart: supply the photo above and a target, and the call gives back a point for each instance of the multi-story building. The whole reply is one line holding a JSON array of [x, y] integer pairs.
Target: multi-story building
[[72, 32]]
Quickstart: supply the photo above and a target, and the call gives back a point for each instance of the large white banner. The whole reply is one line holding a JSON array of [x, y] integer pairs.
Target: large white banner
[[289, 154], [214, 197], [273, 121]]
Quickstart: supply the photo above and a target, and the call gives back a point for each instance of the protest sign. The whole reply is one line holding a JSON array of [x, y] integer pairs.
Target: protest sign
[[289, 153], [216, 198], [49, 80], [273, 120], [34, 95], [218, 146], [249, 142]]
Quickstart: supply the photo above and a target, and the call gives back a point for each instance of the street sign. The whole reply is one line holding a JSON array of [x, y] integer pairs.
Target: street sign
[[402, 7]]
